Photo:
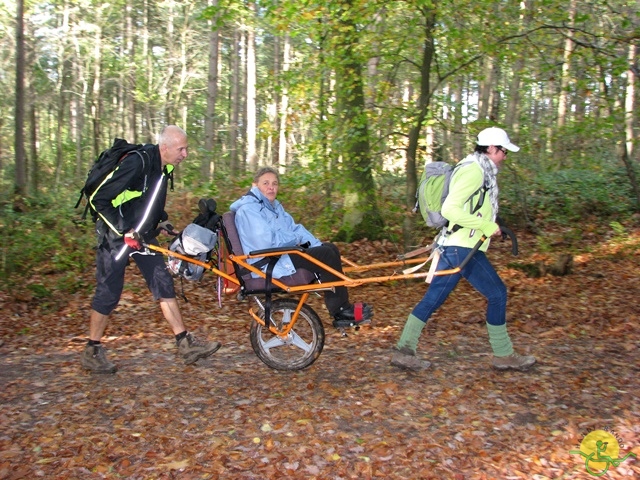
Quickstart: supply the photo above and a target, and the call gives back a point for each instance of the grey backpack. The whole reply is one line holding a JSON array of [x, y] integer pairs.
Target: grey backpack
[[194, 241]]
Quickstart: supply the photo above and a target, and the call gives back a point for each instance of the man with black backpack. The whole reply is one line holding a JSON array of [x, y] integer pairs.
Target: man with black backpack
[[466, 225], [129, 206]]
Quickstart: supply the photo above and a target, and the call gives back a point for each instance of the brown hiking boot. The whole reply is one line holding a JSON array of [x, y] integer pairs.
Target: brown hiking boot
[[95, 360], [193, 349], [406, 359], [514, 362]]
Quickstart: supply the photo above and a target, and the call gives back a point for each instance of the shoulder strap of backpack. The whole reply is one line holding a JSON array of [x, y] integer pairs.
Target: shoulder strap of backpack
[[144, 166], [474, 208]]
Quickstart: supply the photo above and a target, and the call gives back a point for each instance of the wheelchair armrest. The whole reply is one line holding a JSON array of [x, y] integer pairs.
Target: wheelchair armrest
[[275, 250]]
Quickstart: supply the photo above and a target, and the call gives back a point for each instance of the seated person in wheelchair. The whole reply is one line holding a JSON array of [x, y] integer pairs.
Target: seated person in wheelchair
[[262, 223]]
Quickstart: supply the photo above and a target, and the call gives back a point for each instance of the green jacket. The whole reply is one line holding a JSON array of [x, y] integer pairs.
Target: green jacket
[[456, 208]]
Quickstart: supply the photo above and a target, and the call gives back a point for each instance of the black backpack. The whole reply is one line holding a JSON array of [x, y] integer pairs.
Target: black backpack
[[106, 162]]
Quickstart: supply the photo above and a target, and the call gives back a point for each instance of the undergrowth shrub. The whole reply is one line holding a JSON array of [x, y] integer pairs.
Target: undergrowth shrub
[[569, 196], [46, 243]]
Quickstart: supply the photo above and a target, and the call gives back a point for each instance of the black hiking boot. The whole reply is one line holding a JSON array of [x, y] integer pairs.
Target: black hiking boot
[[353, 315]]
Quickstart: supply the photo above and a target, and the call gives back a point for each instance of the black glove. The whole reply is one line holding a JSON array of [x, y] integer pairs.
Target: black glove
[[167, 227], [133, 240]]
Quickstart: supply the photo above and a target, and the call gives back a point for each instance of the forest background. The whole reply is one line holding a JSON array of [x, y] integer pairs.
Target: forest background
[[348, 98]]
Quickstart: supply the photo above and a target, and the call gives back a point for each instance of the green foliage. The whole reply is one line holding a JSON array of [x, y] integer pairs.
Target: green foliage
[[573, 195], [618, 230], [44, 243], [599, 194]]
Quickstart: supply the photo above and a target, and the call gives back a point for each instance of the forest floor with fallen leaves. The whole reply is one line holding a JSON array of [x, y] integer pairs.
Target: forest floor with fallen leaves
[[350, 414]]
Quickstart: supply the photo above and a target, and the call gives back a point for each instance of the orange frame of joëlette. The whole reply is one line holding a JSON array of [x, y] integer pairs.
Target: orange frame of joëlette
[[306, 289]]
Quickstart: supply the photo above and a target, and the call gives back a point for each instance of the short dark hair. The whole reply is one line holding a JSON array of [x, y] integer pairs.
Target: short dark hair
[[481, 148], [264, 170]]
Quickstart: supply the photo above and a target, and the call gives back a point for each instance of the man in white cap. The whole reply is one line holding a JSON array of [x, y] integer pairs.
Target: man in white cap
[[470, 217]]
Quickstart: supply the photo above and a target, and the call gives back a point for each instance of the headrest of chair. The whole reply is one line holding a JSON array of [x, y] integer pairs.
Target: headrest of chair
[[229, 220]]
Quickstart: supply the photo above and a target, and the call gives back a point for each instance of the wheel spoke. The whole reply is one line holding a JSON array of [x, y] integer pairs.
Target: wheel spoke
[[273, 342], [299, 342], [286, 317]]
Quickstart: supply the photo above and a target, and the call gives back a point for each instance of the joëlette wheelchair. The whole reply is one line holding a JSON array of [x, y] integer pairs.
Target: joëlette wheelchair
[[286, 333]]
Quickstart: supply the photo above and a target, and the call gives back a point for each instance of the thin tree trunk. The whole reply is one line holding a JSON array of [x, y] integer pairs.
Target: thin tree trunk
[[210, 125], [20, 152], [34, 171], [235, 105], [273, 148], [629, 104], [61, 92], [79, 101], [565, 79], [128, 75], [147, 123], [423, 107], [165, 90], [284, 105], [252, 156], [629, 108], [513, 101], [559, 144], [494, 95], [458, 136], [96, 97], [444, 147], [486, 85], [424, 100]]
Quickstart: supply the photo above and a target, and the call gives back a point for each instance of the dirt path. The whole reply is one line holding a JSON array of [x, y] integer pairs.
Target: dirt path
[[350, 415]]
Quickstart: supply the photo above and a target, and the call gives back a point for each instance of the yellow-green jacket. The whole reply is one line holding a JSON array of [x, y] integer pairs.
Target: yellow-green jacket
[[466, 180]]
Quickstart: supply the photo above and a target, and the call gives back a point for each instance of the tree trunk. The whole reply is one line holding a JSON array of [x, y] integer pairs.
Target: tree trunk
[[323, 128], [629, 104], [252, 155], [458, 143], [20, 152], [210, 121], [148, 123], [165, 90], [235, 105], [512, 122], [486, 86], [362, 218], [424, 99], [513, 102], [96, 97], [284, 106], [275, 108], [129, 75], [423, 107], [79, 102], [627, 157], [559, 146], [62, 89]]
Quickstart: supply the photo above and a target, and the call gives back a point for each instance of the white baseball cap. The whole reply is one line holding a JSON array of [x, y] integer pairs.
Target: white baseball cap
[[496, 136]]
